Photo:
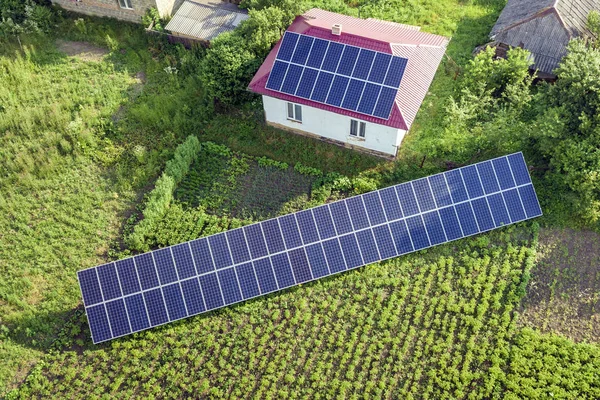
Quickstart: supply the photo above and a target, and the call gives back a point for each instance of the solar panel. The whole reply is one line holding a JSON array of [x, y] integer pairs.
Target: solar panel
[[190, 278], [348, 77]]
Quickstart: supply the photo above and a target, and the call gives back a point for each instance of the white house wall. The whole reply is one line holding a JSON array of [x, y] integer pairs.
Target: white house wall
[[379, 138]]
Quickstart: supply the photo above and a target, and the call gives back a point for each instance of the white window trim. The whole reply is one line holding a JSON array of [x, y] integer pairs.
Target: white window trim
[[361, 129], [126, 3], [294, 114]]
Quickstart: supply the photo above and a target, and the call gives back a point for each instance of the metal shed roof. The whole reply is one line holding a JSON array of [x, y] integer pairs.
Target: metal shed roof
[[205, 19]]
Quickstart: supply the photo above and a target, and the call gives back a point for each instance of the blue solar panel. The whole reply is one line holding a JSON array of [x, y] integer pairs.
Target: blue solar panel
[[308, 229], [322, 87], [348, 60], [277, 75], [156, 307], [90, 287], [229, 286], [358, 214], [300, 266], [266, 277], [367, 245], [384, 240], [174, 302], [315, 59], [151, 289], [417, 231], [363, 64], [117, 316], [292, 78], [316, 259], [514, 205], [301, 62], [109, 282], [256, 241], [248, 282], [488, 177], [290, 231], [472, 181], [498, 208], [374, 208], [350, 251], [435, 229], [307, 83], [220, 250], [369, 98], [439, 187], [211, 291], [401, 237], [201, 255], [384, 103], [380, 67], [324, 222], [273, 236], [283, 270], [288, 45], [238, 246], [395, 72], [390, 204], [337, 91], [483, 215], [136, 309], [407, 198], [333, 254], [341, 219], [165, 266], [183, 261], [352, 97], [192, 294], [302, 49], [332, 57]]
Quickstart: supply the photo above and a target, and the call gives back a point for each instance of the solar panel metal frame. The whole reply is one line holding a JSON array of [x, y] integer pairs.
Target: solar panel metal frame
[[381, 85], [409, 231]]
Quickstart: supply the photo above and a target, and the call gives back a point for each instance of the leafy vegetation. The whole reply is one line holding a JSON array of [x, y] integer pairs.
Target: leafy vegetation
[[84, 142]]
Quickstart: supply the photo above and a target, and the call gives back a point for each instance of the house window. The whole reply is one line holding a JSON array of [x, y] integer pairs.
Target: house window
[[125, 4], [294, 112], [357, 128]]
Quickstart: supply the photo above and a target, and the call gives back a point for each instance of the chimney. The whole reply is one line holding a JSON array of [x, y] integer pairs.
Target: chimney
[[336, 29]]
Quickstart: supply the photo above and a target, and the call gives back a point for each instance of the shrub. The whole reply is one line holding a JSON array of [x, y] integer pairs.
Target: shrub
[[161, 196]]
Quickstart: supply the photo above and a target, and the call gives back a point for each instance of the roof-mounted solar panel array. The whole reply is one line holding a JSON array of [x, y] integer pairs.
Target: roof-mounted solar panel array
[[190, 278], [344, 76]]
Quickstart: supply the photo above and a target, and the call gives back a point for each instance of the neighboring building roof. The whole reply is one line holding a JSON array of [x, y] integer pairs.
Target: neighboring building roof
[[424, 52], [544, 27], [205, 19]]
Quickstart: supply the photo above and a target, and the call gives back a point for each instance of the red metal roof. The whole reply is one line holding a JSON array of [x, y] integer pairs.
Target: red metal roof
[[423, 50]]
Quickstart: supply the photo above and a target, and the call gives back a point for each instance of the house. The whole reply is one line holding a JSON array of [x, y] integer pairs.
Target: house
[[544, 27], [127, 10], [355, 82], [203, 20]]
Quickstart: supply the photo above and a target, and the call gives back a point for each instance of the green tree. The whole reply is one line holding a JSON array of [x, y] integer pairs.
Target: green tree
[[567, 131], [23, 16]]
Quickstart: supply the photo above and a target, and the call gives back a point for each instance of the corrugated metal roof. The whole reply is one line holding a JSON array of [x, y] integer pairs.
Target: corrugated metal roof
[[544, 27], [205, 19], [423, 50]]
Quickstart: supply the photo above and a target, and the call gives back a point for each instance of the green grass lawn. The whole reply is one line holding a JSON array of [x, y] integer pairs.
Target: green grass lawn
[[81, 142]]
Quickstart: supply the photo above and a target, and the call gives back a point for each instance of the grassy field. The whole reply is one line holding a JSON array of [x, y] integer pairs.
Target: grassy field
[[83, 137]]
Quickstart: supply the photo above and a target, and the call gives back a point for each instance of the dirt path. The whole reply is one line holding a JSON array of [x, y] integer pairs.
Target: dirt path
[[563, 295], [83, 50]]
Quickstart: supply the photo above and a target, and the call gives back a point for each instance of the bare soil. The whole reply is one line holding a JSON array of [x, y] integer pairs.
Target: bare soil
[[563, 295], [83, 50]]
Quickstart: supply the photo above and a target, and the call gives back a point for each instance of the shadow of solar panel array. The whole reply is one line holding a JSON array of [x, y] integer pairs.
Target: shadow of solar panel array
[[344, 76], [190, 278]]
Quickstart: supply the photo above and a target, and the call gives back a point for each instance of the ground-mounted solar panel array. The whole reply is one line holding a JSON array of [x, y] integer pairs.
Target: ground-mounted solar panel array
[[344, 76], [190, 278]]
